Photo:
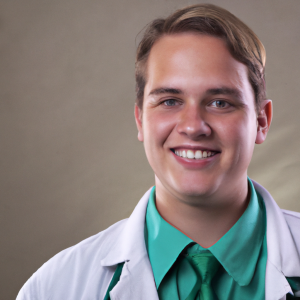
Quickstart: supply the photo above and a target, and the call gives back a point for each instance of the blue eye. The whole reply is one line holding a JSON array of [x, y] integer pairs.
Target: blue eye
[[170, 102]]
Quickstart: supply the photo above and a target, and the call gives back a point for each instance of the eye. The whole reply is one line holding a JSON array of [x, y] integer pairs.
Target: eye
[[170, 102], [220, 104]]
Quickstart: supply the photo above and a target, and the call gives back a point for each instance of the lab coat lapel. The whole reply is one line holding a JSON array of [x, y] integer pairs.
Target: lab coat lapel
[[276, 284], [137, 280], [283, 255]]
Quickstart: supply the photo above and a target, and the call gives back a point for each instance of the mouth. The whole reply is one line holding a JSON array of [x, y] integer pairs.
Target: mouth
[[194, 154]]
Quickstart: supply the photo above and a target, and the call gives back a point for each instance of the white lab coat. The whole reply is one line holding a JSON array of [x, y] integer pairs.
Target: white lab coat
[[84, 271]]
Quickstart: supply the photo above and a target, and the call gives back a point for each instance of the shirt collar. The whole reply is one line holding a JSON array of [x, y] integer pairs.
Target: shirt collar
[[164, 242], [238, 250]]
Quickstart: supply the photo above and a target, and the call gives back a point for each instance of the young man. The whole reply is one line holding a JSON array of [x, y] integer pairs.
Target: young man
[[205, 231]]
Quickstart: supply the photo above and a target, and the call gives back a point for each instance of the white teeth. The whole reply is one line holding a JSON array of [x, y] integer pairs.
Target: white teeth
[[194, 154], [190, 154], [198, 154]]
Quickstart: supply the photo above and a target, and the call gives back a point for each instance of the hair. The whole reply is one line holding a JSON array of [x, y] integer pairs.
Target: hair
[[212, 20]]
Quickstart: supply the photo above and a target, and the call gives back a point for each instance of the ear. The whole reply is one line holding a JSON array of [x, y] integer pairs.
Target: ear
[[264, 119], [138, 120]]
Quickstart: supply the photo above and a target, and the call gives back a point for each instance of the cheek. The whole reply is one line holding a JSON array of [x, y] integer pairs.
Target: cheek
[[237, 134], [157, 128]]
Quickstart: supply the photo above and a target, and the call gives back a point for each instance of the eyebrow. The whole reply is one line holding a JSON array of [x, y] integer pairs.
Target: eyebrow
[[165, 90], [225, 91]]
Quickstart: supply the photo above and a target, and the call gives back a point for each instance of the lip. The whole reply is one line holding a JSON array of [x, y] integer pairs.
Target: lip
[[195, 148], [195, 163]]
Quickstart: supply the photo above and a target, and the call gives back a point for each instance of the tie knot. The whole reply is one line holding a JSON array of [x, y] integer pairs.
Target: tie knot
[[206, 265]]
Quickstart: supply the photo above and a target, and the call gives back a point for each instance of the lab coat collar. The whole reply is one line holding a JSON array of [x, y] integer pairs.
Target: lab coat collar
[[137, 280], [283, 256], [130, 244]]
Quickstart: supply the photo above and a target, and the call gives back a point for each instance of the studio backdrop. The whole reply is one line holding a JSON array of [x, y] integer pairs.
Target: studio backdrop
[[70, 161]]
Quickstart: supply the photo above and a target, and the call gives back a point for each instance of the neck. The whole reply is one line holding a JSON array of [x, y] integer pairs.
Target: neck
[[205, 219]]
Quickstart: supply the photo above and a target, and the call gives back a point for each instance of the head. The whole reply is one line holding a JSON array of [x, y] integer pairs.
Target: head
[[201, 103]]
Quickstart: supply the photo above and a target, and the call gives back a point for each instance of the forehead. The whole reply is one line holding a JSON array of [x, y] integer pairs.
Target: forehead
[[192, 61]]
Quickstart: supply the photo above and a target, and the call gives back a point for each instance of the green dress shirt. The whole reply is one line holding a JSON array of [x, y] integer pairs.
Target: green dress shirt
[[242, 253]]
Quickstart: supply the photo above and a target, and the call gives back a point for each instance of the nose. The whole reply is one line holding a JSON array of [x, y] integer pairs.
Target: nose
[[193, 123]]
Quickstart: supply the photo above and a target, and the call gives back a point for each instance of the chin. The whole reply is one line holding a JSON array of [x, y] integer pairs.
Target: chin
[[192, 190]]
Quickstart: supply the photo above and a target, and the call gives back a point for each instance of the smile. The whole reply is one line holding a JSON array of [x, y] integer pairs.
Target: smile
[[194, 154]]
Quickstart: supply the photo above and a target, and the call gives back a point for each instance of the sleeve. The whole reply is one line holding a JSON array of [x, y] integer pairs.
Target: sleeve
[[30, 290]]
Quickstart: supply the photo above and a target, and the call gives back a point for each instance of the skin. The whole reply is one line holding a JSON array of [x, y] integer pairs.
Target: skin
[[198, 96]]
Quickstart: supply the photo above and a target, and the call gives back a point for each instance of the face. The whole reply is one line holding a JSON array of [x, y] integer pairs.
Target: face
[[199, 122]]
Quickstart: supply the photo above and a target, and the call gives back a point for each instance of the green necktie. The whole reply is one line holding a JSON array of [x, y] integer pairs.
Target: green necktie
[[206, 266]]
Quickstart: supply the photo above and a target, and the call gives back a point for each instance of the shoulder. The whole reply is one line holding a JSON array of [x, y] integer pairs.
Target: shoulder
[[88, 250], [291, 216], [78, 264], [293, 220]]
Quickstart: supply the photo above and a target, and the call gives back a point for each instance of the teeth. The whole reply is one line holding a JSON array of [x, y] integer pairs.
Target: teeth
[[194, 154], [198, 154], [190, 154]]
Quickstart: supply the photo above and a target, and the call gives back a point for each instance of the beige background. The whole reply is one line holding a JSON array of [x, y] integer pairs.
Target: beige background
[[69, 158]]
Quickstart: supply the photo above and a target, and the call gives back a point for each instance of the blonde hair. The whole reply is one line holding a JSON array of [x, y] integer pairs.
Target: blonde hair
[[209, 19]]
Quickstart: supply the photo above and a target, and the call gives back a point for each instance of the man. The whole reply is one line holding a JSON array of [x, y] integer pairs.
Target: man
[[205, 231]]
